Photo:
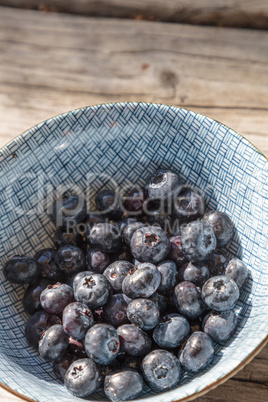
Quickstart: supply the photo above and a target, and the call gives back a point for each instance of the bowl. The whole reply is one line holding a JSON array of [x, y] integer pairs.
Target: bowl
[[128, 142]]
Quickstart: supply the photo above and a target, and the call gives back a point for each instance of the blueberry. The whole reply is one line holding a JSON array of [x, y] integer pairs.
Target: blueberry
[[53, 343], [161, 370], [188, 300], [220, 326], [115, 311], [176, 254], [125, 222], [217, 262], [102, 343], [63, 238], [37, 325], [160, 301], [21, 269], [105, 237], [130, 362], [116, 273], [171, 331], [94, 218], [197, 353], [133, 200], [97, 260], [61, 366], [220, 293], [82, 378], [46, 260], [123, 386], [142, 281], [31, 299], [133, 340], [76, 278], [94, 291], [222, 225], [168, 271], [76, 320], [124, 254], [107, 201], [70, 259], [129, 231], [237, 271], [77, 348], [189, 205], [68, 210], [197, 273], [144, 313], [198, 240], [55, 298], [150, 244], [163, 184]]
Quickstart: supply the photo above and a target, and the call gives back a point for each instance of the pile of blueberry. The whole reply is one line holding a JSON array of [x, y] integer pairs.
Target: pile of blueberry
[[135, 298]]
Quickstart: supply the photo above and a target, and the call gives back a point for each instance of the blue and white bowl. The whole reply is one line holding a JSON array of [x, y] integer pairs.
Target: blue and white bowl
[[128, 141]]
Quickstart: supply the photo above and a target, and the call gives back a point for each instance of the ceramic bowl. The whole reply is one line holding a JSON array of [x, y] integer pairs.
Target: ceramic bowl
[[128, 141]]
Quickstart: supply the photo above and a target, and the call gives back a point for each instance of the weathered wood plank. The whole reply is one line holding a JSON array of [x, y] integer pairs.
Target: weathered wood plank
[[230, 13], [50, 63]]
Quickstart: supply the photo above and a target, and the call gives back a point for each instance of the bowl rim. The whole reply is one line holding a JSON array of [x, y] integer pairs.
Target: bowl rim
[[264, 341]]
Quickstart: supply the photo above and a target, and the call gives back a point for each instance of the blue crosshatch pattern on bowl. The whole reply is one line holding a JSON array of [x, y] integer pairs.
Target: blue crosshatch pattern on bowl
[[129, 141]]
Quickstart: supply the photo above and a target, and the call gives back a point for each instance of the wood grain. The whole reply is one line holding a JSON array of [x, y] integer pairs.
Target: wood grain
[[50, 63], [230, 13]]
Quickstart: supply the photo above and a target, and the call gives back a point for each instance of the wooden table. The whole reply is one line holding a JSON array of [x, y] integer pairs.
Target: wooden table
[[170, 51]]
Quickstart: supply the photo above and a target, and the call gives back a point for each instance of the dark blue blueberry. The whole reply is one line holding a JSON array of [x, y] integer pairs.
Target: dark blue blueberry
[[150, 244], [21, 269], [68, 210], [144, 313], [105, 237], [70, 259], [55, 298], [37, 325], [171, 331], [82, 378], [76, 320], [168, 271], [53, 343], [31, 299], [160, 301], [217, 262], [188, 300], [222, 225], [115, 311], [133, 340], [116, 273], [142, 281], [197, 353], [76, 278], [163, 184], [108, 202], [77, 348], [189, 205], [123, 386], [220, 293], [63, 238], [198, 240], [129, 231], [94, 291], [97, 260], [123, 255], [133, 200], [61, 366], [102, 343], [237, 271], [46, 260], [176, 254], [197, 273], [220, 326], [161, 370]]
